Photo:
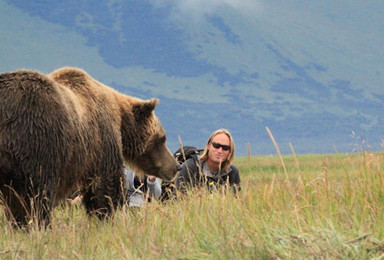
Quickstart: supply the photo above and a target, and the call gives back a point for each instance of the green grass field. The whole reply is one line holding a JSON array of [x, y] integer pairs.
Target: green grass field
[[290, 207]]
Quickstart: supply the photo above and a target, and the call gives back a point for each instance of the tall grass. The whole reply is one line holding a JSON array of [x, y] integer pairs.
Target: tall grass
[[315, 207]]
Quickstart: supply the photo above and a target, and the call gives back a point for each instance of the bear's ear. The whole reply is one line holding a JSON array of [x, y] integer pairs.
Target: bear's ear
[[144, 109]]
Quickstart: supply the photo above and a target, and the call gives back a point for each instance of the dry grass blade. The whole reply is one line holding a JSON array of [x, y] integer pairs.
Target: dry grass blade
[[278, 152]]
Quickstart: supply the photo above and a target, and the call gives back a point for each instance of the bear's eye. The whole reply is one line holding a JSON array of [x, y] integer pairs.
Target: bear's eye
[[163, 139], [158, 140]]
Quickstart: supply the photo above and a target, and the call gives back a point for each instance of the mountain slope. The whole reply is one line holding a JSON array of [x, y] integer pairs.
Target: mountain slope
[[311, 72]]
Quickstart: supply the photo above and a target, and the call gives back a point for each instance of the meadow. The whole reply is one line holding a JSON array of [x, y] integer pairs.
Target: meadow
[[321, 206]]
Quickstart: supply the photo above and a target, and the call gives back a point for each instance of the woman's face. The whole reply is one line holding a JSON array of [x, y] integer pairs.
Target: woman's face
[[219, 148]]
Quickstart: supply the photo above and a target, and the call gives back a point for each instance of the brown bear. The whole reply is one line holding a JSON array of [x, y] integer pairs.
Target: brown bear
[[65, 129]]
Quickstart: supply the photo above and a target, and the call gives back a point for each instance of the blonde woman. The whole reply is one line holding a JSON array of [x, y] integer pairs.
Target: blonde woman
[[214, 167]]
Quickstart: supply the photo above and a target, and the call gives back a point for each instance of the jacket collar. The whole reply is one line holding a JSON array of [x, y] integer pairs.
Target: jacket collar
[[208, 173]]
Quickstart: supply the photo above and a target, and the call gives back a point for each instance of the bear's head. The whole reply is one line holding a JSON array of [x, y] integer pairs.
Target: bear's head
[[144, 141]]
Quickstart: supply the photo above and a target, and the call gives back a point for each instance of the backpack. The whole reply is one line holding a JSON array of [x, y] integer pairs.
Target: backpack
[[189, 152], [168, 188]]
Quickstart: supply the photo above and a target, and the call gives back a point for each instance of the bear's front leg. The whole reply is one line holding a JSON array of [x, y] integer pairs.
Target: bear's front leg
[[102, 200]]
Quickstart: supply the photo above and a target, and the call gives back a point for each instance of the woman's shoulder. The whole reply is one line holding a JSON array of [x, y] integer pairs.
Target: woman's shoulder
[[191, 163], [234, 168]]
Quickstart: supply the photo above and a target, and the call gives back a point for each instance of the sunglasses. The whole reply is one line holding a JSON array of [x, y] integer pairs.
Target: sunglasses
[[218, 145]]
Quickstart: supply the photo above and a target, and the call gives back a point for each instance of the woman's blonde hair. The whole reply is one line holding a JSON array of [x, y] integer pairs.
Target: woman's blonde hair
[[228, 162]]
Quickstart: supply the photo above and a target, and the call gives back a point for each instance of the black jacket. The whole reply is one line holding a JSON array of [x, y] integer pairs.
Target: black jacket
[[194, 173]]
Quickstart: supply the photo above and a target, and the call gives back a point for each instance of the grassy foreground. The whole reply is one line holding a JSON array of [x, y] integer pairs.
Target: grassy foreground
[[290, 207]]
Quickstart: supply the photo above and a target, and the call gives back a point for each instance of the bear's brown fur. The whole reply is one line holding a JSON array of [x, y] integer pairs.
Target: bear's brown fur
[[65, 129]]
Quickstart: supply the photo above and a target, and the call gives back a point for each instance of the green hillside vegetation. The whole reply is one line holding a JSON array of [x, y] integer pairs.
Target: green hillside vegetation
[[291, 207], [311, 72]]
